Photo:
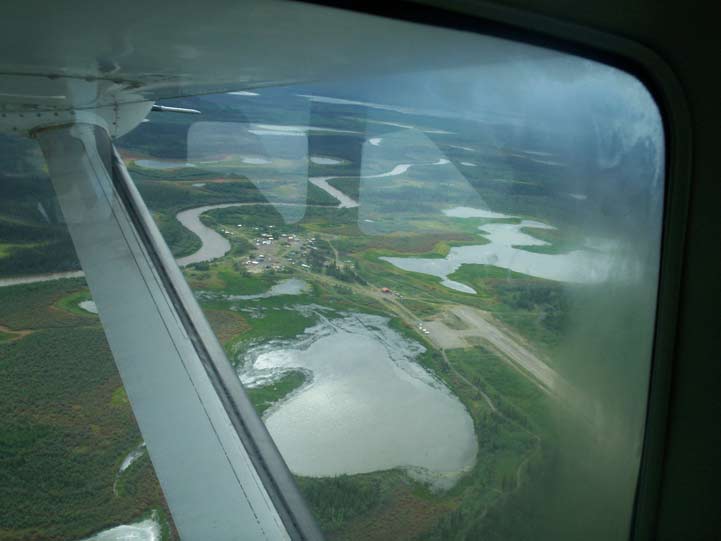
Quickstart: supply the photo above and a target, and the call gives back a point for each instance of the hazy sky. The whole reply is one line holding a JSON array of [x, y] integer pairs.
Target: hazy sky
[[555, 92]]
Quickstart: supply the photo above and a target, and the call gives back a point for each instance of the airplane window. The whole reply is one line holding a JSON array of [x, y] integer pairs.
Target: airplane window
[[437, 287], [73, 464]]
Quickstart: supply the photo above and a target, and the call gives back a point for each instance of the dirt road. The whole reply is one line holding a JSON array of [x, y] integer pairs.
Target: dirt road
[[483, 325]]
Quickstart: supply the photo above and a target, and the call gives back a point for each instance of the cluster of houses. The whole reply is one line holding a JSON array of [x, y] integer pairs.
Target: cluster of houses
[[264, 257]]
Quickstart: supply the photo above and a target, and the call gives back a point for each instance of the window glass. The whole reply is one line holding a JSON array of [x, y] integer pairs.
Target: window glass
[[438, 287]]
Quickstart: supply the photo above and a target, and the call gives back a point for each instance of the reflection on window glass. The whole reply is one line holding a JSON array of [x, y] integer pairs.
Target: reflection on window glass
[[438, 288], [73, 463]]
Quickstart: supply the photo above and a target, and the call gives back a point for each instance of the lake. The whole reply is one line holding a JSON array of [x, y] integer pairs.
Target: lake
[[290, 286], [503, 250], [88, 306], [145, 530], [368, 407]]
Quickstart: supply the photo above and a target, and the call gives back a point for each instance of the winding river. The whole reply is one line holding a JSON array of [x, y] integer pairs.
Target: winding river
[[214, 245], [344, 201]]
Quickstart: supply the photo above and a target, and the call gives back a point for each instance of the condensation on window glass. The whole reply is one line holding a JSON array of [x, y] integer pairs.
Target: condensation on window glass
[[73, 464]]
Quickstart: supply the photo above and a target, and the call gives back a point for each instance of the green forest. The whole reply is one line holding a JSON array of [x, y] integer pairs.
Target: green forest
[[66, 424]]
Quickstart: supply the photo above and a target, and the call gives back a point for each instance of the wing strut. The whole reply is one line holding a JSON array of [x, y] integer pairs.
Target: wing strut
[[221, 473]]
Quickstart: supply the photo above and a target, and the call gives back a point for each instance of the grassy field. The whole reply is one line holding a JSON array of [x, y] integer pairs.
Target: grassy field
[[35, 306], [70, 303], [181, 241], [264, 397], [226, 324], [226, 278], [515, 396], [274, 321]]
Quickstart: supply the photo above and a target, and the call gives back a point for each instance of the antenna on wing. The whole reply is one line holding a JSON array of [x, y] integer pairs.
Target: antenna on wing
[[166, 109]]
